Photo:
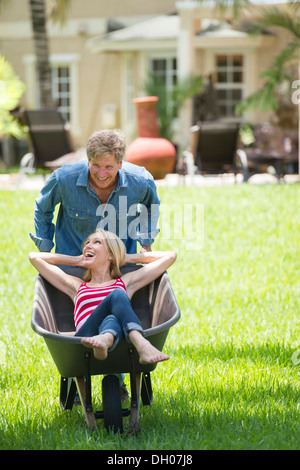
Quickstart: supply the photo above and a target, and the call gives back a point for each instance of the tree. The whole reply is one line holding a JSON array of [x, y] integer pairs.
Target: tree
[[38, 10], [38, 21], [11, 90], [283, 67]]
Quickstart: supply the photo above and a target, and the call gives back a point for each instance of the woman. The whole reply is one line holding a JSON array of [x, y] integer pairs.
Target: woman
[[103, 311]]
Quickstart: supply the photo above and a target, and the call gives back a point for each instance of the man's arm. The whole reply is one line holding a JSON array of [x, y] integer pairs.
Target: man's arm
[[43, 215]]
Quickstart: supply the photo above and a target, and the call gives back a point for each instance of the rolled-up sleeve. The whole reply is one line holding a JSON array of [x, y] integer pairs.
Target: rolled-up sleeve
[[45, 204], [41, 243]]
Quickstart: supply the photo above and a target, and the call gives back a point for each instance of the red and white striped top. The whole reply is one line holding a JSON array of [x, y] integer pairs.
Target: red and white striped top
[[88, 298]]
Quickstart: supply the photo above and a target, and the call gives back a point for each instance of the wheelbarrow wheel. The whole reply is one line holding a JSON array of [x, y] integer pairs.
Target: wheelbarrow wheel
[[112, 407]]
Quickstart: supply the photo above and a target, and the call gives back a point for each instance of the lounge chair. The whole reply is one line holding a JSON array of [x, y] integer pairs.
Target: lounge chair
[[50, 140], [214, 150]]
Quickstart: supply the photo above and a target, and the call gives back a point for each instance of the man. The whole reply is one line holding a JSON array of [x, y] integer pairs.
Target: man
[[104, 192]]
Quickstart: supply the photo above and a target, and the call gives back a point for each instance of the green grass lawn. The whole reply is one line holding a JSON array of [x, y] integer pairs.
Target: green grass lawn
[[232, 381]]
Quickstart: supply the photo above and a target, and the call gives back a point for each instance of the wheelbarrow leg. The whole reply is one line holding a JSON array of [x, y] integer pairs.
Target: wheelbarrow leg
[[135, 385], [87, 407], [84, 388], [67, 393], [146, 390]]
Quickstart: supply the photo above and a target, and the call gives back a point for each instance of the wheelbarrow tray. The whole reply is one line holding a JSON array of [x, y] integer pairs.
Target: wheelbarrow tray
[[53, 319]]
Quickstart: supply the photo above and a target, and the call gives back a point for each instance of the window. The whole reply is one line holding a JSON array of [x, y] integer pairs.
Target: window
[[61, 90], [229, 82], [65, 86], [165, 68]]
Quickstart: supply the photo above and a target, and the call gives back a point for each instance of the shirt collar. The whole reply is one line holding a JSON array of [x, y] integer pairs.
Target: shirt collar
[[122, 182], [82, 179]]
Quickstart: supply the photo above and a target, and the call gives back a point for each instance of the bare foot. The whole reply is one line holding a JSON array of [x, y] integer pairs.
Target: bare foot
[[151, 355], [100, 344], [148, 353]]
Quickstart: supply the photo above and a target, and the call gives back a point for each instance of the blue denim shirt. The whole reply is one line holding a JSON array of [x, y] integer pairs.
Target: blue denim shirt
[[131, 211]]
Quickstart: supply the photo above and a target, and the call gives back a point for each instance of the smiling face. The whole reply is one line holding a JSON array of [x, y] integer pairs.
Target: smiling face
[[106, 249], [94, 250], [103, 174]]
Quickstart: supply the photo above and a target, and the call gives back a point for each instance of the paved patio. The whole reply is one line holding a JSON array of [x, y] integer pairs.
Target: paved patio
[[222, 180], [35, 183]]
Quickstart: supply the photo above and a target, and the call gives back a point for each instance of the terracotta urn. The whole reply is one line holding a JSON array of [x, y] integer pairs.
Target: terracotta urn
[[149, 150]]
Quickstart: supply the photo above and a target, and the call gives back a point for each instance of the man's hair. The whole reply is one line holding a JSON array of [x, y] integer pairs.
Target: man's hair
[[106, 142]]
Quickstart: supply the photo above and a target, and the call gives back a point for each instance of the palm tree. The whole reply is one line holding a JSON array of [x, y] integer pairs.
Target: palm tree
[[39, 10], [38, 21], [283, 66]]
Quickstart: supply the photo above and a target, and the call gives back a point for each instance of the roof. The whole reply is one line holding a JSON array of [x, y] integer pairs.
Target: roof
[[158, 28], [163, 32], [218, 29]]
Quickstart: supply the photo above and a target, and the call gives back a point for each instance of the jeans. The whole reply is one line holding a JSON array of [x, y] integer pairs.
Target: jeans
[[113, 315]]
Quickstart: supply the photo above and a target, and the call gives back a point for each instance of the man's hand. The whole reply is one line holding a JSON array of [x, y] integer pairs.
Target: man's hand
[[146, 248]]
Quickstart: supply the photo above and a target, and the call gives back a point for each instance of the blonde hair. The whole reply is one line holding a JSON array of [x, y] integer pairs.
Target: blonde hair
[[106, 142], [115, 248]]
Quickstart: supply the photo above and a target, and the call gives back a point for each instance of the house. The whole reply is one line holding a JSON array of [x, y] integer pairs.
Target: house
[[104, 52]]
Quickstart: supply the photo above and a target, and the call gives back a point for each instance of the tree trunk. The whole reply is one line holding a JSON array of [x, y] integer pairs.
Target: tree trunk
[[38, 19]]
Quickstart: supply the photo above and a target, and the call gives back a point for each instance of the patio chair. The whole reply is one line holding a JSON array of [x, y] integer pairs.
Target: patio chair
[[273, 150], [214, 150], [50, 141]]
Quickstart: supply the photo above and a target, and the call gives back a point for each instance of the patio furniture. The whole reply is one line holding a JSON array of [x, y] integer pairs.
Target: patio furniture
[[50, 141], [272, 148], [261, 161], [214, 150]]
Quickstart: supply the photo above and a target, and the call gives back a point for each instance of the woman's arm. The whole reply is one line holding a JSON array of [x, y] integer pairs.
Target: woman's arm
[[47, 265], [155, 263]]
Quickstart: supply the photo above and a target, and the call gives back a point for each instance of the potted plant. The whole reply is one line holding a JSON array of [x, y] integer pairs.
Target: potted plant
[[171, 101], [155, 153]]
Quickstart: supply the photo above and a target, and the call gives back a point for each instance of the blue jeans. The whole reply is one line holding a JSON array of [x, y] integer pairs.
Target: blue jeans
[[113, 315]]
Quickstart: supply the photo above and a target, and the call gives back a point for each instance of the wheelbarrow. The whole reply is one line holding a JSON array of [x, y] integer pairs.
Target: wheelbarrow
[[52, 318]]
